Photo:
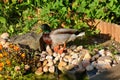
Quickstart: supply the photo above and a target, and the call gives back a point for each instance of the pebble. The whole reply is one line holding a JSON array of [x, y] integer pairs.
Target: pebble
[[89, 67], [102, 52]]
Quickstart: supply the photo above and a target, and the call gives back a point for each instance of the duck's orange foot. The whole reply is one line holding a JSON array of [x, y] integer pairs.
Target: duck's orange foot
[[56, 48]]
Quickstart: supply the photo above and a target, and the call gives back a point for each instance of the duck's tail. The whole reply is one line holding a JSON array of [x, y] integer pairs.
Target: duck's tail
[[80, 34]]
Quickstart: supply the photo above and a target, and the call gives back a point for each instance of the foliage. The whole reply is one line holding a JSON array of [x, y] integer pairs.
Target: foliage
[[15, 62], [19, 16]]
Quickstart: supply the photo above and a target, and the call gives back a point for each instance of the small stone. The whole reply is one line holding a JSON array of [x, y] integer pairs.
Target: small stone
[[48, 49], [89, 67], [103, 66], [50, 63], [85, 63], [74, 56], [106, 59], [51, 69], [79, 48], [102, 52], [95, 57], [45, 62], [69, 50], [62, 55], [5, 35], [73, 47], [94, 63], [87, 55], [75, 62], [55, 54], [39, 71], [108, 53], [49, 57], [45, 69], [62, 63], [66, 58]]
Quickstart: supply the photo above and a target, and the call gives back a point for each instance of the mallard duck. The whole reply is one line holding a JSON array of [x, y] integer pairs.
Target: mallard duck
[[59, 37]]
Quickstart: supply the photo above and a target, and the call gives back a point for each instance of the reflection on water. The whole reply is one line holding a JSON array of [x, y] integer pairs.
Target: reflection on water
[[76, 76]]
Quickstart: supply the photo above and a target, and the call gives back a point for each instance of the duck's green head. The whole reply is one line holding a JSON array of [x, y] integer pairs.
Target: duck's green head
[[45, 28]]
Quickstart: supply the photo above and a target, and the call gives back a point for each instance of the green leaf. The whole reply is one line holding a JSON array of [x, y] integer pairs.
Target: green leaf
[[2, 20]]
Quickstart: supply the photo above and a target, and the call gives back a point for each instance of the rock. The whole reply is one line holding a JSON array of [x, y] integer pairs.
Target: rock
[[66, 58], [2, 41], [87, 56], [85, 63], [45, 62], [74, 56], [32, 40], [94, 63], [39, 71], [89, 67], [62, 55], [102, 52], [50, 63], [5, 36], [79, 48], [73, 47], [95, 57], [69, 50], [108, 53], [48, 49], [117, 58], [106, 59], [75, 62], [51, 69], [49, 57], [45, 69], [103, 66]]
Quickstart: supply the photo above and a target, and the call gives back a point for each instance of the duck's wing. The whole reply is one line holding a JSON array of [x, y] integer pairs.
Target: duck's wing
[[64, 31]]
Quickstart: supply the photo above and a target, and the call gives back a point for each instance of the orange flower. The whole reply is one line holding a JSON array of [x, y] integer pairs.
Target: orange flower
[[1, 47], [1, 64], [11, 45], [1, 68], [5, 53], [23, 55], [16, 48], [1, 55], [8, 62]]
